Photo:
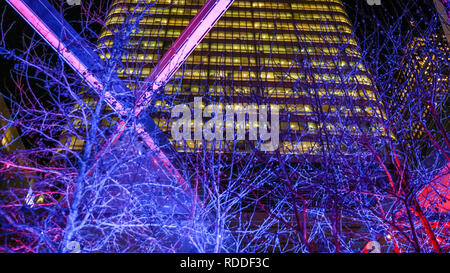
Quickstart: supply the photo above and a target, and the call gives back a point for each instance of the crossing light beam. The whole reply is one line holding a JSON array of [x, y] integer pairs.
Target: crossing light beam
[[53, 28]]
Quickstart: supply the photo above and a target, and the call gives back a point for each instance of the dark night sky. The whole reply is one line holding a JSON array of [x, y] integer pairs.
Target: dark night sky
[[15, 39]]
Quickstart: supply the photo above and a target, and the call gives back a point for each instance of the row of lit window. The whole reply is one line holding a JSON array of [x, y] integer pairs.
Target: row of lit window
[[278, 4], [310, 127], [239, 24], [238, 46], [242, 75], [317, 6], [161, 31], [270, 76], [192, 11], [294, 108], [246, 48], [270, 14], [189, 146], [245, 61], [321, 5], [304, 127], [241, 14], [133, 58], [274, 25], [282, 92], [272, 62]]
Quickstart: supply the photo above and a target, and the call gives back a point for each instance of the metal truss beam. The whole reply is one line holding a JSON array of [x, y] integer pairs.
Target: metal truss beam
[[52, 27], [77, 53], [188, 40]]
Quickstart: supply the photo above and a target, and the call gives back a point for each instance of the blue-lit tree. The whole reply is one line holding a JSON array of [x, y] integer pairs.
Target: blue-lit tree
[[77, 186]]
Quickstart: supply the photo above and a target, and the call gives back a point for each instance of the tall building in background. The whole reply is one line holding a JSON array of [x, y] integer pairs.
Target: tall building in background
[[299, 55], [420, 96], [423, 80]]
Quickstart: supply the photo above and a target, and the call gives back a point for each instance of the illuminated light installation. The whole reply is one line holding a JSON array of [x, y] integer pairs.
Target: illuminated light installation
[[71, 47], [436, 196], [191, 36], [433, 198], [39, 13]]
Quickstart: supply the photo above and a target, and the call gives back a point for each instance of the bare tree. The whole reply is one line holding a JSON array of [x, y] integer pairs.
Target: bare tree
[[351, 168]]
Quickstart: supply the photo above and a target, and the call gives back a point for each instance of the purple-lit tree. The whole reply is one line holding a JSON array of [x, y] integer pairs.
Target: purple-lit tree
[[78, 185]]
